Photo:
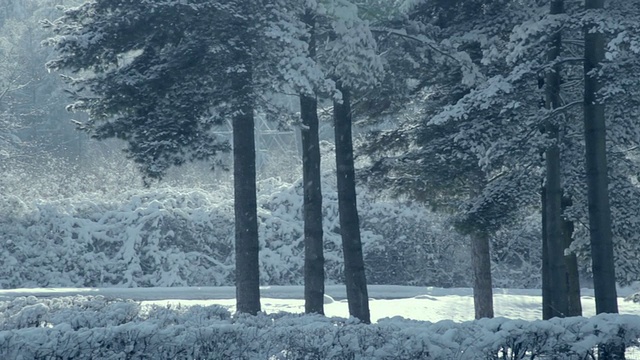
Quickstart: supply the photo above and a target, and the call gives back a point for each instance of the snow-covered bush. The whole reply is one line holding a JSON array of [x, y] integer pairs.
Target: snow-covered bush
[[403, 243], [166, 237], [183, 236], [415, 246], [95, 327], [516, 253], [78, 312], [99, 227]]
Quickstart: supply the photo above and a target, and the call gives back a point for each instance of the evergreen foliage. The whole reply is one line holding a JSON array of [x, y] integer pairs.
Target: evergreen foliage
[[157, 75], [485, 125]]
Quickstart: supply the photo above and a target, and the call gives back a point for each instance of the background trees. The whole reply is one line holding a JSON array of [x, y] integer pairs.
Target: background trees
[[456, 151], [494, 118]]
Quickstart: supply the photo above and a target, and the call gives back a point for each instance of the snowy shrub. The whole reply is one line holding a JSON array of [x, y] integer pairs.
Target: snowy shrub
[[78, 312], [403, 243], [62, 329], [415, 247], [177, 235], [516, 254], [166, 237]]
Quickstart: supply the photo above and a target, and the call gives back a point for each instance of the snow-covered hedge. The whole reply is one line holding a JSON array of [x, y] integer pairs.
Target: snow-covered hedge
[[96, 226], [95, 327], [180, 236], [160, 238], [403, 243]]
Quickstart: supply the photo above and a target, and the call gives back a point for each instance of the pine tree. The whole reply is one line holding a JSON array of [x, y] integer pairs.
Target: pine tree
[[483, 115], [351, 60], [160, 75], [354, 272], [244, 167], [298, 72], [434, 160]]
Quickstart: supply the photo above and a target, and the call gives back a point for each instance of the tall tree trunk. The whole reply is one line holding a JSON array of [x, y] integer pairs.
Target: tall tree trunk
[[558, 294], [571, 263], [546, 283], [480, 257], [604, 279], [597, 181], [482, 285], [311, 178], [357, 294], [244, 182]]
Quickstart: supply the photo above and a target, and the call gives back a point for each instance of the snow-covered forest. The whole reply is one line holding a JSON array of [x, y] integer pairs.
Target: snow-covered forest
[[432, 143]]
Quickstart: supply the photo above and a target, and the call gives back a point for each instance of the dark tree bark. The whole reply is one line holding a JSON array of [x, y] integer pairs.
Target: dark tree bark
[[546, 283], [357, 294], [480, 255], [571, 263], [604, 279], [311, 178], [244, 182], [558, 294], [482, 284]]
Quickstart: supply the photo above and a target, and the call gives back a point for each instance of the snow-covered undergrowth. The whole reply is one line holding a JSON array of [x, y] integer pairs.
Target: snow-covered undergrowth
[[180, 236], [97, 228], [95, 327]]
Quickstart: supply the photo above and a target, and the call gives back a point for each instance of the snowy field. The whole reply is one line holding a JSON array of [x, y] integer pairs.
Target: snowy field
[[417, 303]]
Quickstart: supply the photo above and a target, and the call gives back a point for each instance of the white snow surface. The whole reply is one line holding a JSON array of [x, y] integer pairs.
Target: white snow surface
[[386, 301]]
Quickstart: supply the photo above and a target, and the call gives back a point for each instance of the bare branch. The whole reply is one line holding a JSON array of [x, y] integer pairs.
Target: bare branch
[[563, 108], [575, 42], [560, 61], [4, 93]]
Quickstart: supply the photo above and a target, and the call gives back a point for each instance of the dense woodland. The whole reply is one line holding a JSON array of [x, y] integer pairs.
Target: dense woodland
[[425, 142]]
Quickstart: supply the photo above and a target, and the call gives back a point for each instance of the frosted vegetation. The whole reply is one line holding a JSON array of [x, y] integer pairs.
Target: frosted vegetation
[[98, 226], [90, 327]]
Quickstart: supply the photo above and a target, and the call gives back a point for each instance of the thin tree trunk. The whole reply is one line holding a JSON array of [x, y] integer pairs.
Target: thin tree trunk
[[571, 263], [244, 182], [558, 294], [482, 285], [311, 178], [357, 294]]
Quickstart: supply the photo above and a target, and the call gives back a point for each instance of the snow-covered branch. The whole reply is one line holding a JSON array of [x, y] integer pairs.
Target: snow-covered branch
[[418, 38]]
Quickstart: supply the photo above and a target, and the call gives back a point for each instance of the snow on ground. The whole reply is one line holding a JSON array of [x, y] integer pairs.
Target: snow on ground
[[418, 303]]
